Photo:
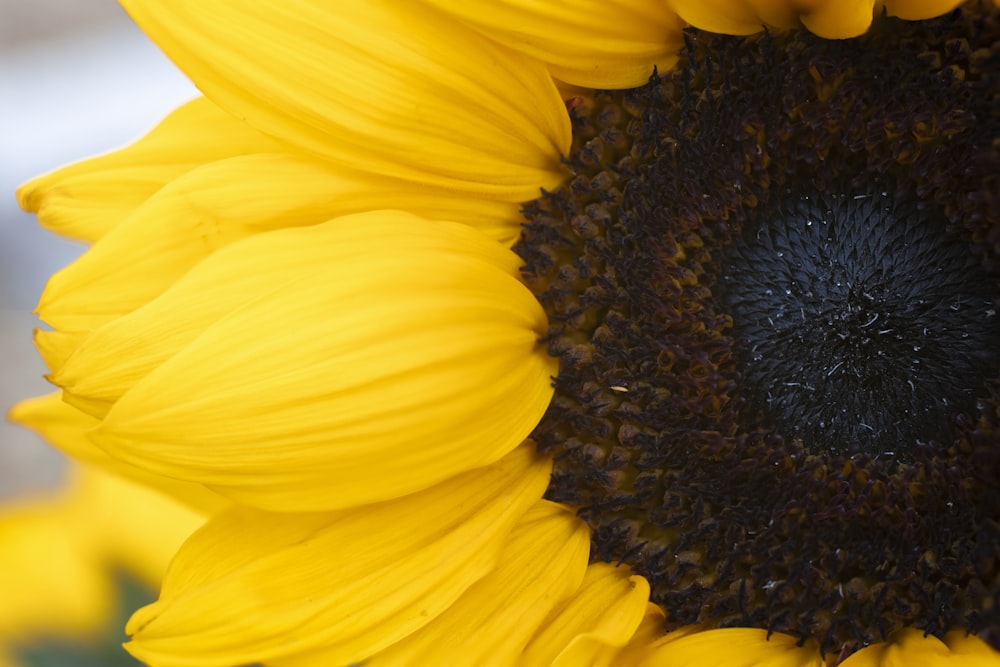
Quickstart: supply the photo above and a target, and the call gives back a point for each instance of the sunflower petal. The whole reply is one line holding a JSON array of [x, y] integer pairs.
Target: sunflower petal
[[971, 650], [591, 43], [211, 206], [915, 10], [87, 199], [64, 427], [650, 630], [733, 647], [55, 347], [200, 212], [544, 562], [831, 19], [252, 586], [840, 19], [390, 87], [776, 13], [106, 364], [910, 648], [604, 613], [728, 17], [383, 353]]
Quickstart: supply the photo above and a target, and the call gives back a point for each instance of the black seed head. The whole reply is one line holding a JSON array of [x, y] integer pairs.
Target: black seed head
[[860, 323], [844, 484]]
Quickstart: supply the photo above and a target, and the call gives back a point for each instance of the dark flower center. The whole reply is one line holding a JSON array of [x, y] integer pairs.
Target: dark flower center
[[772, 284]]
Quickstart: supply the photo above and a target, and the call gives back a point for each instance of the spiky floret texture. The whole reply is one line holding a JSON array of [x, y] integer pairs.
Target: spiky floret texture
[[743, 523], [860, 323]]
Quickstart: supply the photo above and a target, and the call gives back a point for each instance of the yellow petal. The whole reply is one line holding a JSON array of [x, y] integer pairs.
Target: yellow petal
[[831, 19], [729, 17], [591, 43], [390, 87], [383, 353], [200, 212], [840, 19], [910, 648], [86, 199], [732, 647], [55, 347], [969, 650], [216, 204], [776, 13], [650, 630], [252, 586], [108, 363], [64, 426], [914, 10], [543, 563], [604, 613]]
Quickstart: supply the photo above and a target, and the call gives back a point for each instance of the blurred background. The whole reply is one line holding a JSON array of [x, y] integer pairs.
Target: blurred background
[[76, 78]]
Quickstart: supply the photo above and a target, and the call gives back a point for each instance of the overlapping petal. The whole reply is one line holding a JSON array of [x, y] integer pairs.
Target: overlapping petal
[[731, 17], [831, 19], [650, 630], [186, 221], [543, 562], [915, 10], [974, 650], [839, 19], [593, 43], [55, 347], [390, 87], [362, 579], [324, 367], [732, 647], [65, 427], [213, 205], [911, 648], [87, 199], [590, 627]]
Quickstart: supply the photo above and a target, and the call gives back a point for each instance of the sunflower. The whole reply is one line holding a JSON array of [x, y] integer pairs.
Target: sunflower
[[612, 333]]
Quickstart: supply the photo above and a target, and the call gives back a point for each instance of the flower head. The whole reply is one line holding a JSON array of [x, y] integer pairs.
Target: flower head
[[305, 301]]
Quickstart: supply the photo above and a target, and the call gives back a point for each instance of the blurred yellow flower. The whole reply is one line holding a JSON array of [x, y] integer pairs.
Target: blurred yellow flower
[[64, 554]]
